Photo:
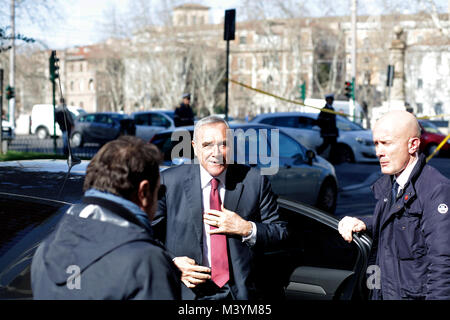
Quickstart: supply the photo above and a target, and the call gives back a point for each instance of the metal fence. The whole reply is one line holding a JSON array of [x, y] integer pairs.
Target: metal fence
[[31, 143]]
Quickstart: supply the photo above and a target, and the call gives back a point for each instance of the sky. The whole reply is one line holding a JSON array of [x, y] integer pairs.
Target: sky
[[81, 22]]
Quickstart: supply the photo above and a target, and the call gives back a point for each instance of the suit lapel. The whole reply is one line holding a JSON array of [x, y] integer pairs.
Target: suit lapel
[[193, 191], [233, 189]]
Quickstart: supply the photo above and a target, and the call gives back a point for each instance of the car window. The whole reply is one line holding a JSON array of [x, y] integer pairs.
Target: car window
[[430, 127], [268, 121], [288, 121], [171, 114], [159, 120], [24, 223], [347, 125], [101, 118], [90, 118], [289, 148], [165, 144], [306, 123], [19, 215], [142, 119]]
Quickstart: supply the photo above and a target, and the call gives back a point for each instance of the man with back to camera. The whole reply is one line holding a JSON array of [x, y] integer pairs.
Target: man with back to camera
[[65, 122], [216, 217], [328, 129], [410, 225], [103, 248]]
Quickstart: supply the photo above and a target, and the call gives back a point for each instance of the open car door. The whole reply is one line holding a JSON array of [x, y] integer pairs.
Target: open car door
[[315, 263]]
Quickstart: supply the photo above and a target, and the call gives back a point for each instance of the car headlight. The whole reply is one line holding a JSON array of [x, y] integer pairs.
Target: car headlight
[[364, 141]]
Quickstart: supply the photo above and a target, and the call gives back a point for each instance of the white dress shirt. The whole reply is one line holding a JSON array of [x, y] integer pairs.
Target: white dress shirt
[[205, 182], [404, 176]]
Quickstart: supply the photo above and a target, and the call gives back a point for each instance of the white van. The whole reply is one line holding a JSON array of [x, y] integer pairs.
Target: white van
[[42, 118]]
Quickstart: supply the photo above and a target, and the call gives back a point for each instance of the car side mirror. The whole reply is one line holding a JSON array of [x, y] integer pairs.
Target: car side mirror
[[310, 156]]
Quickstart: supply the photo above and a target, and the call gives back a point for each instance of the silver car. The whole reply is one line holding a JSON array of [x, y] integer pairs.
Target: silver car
[[300, 175], [150, 122], [354, 143]]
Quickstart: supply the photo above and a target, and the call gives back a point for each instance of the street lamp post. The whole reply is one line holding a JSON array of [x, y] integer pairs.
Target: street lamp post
[[12, 65]]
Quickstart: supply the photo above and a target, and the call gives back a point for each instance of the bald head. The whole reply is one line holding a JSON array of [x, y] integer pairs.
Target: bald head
[[400, 123], [397, 138]]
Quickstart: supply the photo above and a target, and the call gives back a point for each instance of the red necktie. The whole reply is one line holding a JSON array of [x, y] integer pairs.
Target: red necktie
[[219, 256]]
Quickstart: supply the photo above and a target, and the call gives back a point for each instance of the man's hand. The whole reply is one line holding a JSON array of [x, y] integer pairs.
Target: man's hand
[[227, 222], [348, 225], [191, 273]]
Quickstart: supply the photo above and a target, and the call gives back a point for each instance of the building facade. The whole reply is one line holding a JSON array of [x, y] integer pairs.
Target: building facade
[[157, 65]]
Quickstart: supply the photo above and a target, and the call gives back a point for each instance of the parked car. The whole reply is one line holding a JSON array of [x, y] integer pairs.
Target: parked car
[[42, 118], [316, 263], [150, 122], [301, 175], [100, 128], [354, 142], [431, 137]]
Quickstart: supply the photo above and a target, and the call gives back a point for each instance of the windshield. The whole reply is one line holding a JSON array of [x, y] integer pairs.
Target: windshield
[[171, 114]]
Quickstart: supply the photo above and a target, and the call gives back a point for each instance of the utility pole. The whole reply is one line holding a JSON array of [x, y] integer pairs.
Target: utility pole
[[353, 57], [12, 64]]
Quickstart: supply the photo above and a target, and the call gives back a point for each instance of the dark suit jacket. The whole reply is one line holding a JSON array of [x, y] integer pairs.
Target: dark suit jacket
[[178, 221]]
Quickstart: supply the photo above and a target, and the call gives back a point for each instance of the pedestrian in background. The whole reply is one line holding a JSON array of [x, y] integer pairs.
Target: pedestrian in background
[[328, 129], [65, 121], [184, 116], [411, 222], [103, 248]]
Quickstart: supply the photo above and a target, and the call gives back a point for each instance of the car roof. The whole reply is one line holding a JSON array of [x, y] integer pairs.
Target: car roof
[[105, 112], [43, 179], [284, 114], [153, 111], [233, 125], [291, 114]]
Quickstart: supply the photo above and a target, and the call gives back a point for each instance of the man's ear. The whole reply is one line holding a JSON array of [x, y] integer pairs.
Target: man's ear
[[413, 145], [144, 194], [193, 147]]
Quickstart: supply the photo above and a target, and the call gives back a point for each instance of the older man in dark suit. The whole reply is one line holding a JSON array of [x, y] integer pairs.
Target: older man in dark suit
[[216, 218]]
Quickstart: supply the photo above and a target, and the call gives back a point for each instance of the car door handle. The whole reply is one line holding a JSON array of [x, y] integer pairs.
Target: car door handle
[[287, 166]]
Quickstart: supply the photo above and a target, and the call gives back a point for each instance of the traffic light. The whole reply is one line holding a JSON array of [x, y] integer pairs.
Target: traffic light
[[302, 89], [10, 92], [54, 67], [349, 90]]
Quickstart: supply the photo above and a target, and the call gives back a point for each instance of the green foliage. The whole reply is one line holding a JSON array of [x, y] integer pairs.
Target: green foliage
[[18, 155]]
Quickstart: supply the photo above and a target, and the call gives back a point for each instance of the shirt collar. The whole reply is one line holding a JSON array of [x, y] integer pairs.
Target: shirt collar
[[205, 177], [404, 176]]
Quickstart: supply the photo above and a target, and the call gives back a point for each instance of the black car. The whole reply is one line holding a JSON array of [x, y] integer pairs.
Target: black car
[[316, 263], [100, 128]]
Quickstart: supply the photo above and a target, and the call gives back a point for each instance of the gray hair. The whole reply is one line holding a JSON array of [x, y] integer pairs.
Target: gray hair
[[208, 120]]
